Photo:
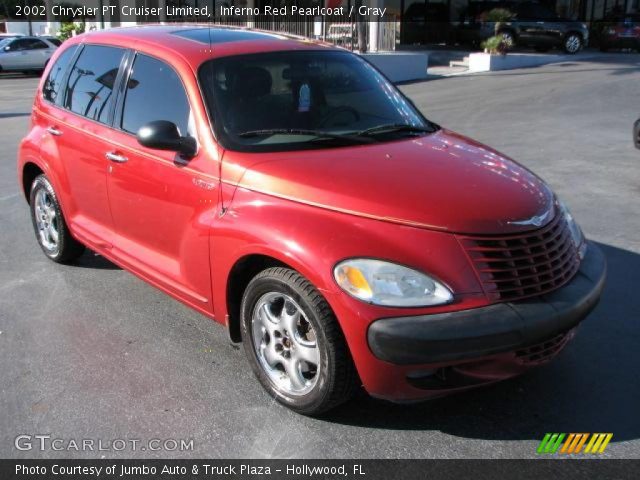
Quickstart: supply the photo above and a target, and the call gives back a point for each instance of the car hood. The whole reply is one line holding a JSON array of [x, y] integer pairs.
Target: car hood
[[441, 181]]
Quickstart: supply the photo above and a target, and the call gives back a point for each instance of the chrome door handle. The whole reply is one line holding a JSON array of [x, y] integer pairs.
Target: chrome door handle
[[114, 157], [54, 131]]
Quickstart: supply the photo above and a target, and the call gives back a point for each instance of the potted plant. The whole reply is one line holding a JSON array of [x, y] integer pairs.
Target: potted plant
[[495, 45], [498, 44]]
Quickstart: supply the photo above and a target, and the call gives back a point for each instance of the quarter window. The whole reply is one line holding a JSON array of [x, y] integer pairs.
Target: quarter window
[[154, 92], [52, 90], [91, 82]]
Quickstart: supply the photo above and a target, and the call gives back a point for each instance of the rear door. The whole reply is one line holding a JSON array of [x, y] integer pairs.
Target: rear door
[[161, 203], [79, 124], [37, 53], [552, 28], [530, 27]]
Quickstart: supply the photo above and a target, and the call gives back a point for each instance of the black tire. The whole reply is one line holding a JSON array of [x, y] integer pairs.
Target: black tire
[[572, 43], [337, 379], [66, 248]]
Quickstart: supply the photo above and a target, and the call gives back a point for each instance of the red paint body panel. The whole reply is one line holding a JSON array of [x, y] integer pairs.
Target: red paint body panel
[[442, 181], [182, 226]]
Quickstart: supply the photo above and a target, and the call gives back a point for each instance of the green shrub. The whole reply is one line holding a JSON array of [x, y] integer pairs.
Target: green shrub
[[495, 45], [67, 30]]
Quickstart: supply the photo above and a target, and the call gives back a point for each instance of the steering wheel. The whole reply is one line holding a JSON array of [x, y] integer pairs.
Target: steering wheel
[[342, 110]]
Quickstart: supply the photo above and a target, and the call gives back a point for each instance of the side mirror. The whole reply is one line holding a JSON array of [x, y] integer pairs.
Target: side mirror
[[7, 48], [636, 133], [164, 135]]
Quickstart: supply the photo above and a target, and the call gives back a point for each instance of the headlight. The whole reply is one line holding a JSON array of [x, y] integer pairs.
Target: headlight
[[576, 233], [389, 284]]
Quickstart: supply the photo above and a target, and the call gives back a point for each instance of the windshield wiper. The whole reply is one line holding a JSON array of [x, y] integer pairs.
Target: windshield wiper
[[320, 135], [394, 127]]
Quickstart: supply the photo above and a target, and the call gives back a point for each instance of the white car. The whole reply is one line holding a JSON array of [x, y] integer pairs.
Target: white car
[[25, 54]]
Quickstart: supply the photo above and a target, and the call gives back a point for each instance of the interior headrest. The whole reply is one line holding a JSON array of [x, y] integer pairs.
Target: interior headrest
[[252, 82]]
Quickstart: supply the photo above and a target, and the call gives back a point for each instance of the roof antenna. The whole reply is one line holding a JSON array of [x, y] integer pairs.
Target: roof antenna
[[209, 27]]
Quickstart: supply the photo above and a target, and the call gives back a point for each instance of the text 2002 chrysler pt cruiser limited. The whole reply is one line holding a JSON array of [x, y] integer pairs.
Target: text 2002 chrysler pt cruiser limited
[[286, 189]]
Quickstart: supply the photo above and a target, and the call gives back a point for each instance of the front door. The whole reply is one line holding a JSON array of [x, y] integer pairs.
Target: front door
[[162, 204], [16, 55]]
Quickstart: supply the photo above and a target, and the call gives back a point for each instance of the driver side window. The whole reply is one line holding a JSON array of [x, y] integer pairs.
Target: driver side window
[[155, 92]]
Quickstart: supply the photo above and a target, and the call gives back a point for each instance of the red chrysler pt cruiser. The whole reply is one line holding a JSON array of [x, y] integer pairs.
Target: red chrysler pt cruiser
[[286, 189]]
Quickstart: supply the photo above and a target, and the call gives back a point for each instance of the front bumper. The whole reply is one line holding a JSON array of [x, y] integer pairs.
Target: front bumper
[[481, 332]]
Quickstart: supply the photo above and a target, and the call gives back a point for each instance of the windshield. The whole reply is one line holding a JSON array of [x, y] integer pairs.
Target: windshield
[[5, 41], [312, 99]]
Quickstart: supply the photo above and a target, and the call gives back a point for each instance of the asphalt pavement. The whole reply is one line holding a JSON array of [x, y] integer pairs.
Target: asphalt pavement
[[88, 351]]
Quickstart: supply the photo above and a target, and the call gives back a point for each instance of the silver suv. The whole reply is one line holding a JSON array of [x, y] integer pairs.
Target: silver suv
[[25, 54]]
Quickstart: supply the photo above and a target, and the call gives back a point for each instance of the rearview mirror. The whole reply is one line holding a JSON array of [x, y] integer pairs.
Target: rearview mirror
[[636, 133], [164, 135]]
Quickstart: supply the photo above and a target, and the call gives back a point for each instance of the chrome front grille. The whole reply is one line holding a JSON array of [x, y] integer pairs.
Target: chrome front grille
[[513, 267]]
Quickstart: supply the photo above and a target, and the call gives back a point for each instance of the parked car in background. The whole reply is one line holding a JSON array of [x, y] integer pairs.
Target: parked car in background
[[533, 25], [289, 191], [342, 34], [621, 31], [25, 54], [51, 39]]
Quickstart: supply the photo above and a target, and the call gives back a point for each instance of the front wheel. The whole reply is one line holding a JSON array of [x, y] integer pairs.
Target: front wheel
[[572, 43], [50, 227], [294, 344]]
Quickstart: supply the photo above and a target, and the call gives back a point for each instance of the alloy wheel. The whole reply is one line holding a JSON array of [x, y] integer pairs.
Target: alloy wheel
[[507, 39], [572, 43], [46, 220], [285, 344]]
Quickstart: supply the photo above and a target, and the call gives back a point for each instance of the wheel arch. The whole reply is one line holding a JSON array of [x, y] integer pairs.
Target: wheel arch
[[241, 273], [509, 30], [245, 268], [30, 171], [574, 32]]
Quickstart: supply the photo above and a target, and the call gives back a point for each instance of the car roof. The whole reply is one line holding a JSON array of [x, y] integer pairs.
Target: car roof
[[197, 43]]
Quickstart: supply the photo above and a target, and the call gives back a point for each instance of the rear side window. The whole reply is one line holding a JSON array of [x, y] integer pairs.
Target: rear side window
[[55, 41], [154, 92], [53, 89], [92, 80], [36, 44]]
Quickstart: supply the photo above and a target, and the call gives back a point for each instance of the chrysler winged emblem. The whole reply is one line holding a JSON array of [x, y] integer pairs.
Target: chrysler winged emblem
[[536, 220]]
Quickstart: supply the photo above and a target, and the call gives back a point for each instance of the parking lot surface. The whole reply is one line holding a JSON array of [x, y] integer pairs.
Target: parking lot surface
[[88, 351]]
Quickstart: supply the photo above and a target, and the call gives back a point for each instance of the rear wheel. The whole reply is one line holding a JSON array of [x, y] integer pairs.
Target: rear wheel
[[50, 227], [508, 39], [572, 43], [294, 344]]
